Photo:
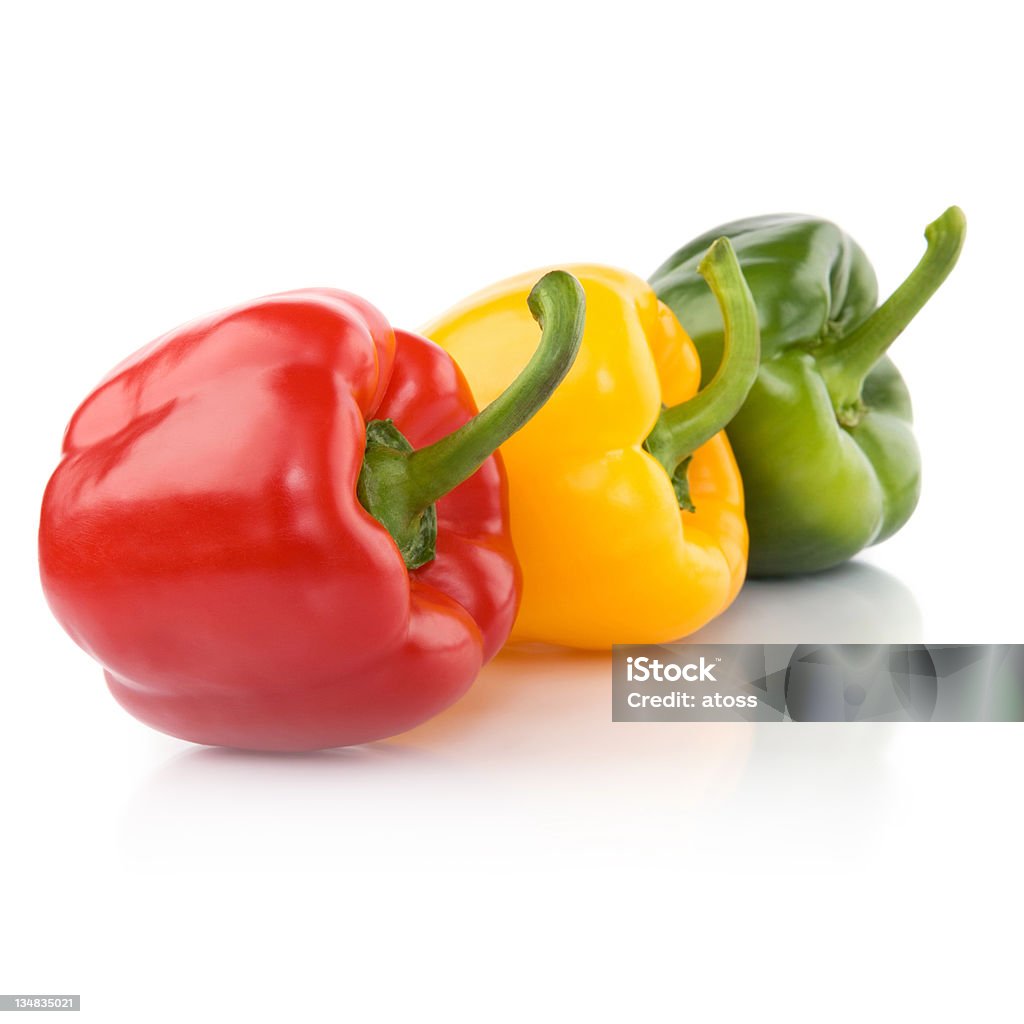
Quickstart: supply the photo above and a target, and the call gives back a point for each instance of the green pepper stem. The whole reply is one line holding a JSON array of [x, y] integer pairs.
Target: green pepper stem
[[399, 486], [682, 429], [846, 363]]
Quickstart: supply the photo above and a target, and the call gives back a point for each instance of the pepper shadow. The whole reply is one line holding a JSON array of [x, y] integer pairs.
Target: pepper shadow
[[209, 806], [854, 603]]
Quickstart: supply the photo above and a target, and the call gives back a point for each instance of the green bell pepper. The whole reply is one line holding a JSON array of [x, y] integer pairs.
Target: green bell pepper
[[824, 440]]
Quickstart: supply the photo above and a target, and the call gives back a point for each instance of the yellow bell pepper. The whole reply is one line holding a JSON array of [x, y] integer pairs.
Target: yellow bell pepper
[[626, 503]]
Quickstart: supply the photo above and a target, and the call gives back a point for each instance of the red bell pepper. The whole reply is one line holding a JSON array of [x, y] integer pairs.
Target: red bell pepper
[[282, 527]]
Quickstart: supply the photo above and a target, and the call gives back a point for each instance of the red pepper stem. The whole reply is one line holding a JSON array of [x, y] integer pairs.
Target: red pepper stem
[[557, 304], [682, 429], [845, 363], [399, 486]]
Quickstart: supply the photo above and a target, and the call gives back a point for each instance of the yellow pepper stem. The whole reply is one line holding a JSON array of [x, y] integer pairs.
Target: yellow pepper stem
[[682, 429]]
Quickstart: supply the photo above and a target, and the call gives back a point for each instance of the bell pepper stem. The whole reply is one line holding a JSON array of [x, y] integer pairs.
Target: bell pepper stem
[[845, 363], [557, 304], [682, 429], [399, 486]]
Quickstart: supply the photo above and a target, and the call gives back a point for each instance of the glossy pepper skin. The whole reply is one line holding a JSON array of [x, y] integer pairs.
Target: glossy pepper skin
[[824, 440], [608, 553], [215, 532]]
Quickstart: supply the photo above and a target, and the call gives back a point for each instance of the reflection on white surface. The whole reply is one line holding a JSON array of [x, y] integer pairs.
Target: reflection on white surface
[[531, 755], [523, 831], [851, 604]]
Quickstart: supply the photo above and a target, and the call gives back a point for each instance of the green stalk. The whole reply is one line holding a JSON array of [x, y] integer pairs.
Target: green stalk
[[683, 428], [399, 486], [846, 363]]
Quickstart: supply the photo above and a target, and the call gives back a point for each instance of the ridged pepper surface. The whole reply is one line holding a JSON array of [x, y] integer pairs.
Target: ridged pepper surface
[[281, 527], [626, 505], [824, 440]]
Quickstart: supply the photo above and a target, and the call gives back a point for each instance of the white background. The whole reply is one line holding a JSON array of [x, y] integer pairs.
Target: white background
[[520, 857]]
